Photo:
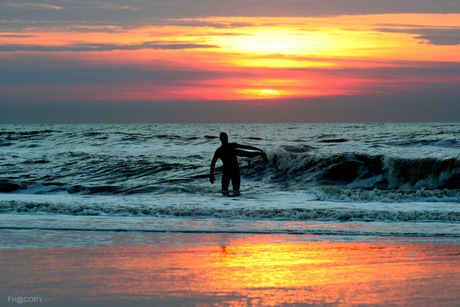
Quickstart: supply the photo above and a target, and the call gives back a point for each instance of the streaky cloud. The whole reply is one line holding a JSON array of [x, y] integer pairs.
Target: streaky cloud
[[45, 69], [88, 47], [17, 35], [33, 6], [202, 23], [146, 12]]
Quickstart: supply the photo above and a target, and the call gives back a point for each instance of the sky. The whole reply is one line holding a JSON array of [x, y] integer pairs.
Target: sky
[[100, 61]]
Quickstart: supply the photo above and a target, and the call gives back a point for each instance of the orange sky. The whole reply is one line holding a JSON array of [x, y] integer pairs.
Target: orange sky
[[291, 57], [250, 59]]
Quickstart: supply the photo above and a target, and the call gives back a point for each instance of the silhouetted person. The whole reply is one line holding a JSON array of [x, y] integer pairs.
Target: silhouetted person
[[228, 154]]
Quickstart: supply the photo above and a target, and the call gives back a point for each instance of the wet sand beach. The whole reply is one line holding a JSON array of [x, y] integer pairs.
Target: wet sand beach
[[99, 268]]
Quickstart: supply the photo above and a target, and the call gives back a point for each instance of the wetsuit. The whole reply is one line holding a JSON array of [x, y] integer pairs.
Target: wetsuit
[[231, 167]]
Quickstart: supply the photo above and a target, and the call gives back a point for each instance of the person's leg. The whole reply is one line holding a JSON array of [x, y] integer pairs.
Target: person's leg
[[236, 180], [225, 182]]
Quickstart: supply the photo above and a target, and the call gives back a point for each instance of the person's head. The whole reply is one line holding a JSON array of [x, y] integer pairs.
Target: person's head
[[224, 138]]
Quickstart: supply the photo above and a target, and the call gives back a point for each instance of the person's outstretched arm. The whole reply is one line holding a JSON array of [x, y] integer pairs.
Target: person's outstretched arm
[[262, 153]]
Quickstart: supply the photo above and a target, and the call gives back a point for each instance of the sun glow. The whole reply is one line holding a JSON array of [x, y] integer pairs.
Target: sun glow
[[263, 43], [268, 93]]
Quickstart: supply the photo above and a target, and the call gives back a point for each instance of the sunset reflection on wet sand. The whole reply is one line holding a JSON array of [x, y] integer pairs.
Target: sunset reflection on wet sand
[[179, 269]]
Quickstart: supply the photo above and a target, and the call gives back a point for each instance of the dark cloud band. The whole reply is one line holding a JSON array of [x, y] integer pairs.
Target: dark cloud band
[[85, 47], [434, 36]]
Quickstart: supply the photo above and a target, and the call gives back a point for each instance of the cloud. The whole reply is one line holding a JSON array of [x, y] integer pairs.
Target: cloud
[[89, 47], [16, 35], [33, 6], [202, 23], [434, 36], [40, 69], [440, 36], [397, 70], [146, 12]]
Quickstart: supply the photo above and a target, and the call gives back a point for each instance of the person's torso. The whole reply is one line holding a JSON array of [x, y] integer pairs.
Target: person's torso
[[228, 155]]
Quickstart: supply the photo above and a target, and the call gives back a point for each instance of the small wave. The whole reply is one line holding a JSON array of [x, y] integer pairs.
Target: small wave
[[94, 133], [176, 137], [10, 186], [118, 169], [298, 149], [18, 135], [37, 161], [27, 133], [54, 188], [197, 211], [334, 141], [5, 143], [443, 143], [337, 194]]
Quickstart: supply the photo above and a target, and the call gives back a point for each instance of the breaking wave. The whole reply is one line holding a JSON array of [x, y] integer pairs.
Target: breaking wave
[[365, 171]]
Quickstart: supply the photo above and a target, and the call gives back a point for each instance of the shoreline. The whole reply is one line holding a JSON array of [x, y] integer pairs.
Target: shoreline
[[89, 225], [224, 269]]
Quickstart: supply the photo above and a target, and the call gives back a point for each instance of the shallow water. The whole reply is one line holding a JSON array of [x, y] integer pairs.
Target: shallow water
[[401, 179]]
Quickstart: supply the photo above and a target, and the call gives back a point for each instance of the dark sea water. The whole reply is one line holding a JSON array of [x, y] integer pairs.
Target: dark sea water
[[354, 179]]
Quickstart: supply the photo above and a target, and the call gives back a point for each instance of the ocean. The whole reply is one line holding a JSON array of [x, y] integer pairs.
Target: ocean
[[348, 180]]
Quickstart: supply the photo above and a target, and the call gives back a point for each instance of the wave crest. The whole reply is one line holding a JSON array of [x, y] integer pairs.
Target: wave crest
[[358, 170]]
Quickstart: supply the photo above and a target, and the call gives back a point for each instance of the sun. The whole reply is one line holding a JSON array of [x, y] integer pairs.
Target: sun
[[269, 93]]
